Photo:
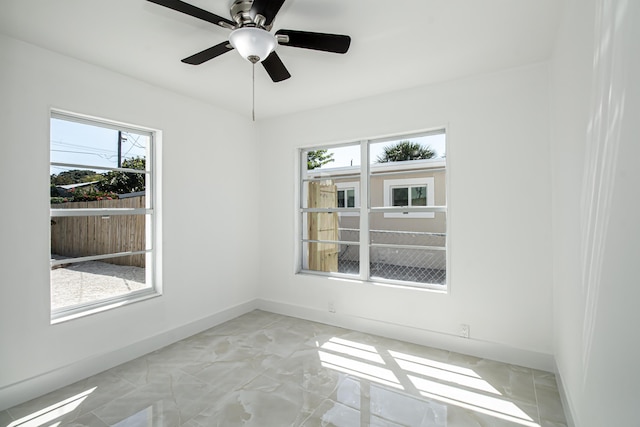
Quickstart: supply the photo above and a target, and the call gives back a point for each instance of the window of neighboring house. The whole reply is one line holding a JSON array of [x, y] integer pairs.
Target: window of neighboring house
[[347, 198], [409, 193], [395, 232], [348, 194], [103, 215]]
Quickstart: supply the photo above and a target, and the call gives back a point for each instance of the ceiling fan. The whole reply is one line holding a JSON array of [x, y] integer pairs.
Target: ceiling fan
[[251, 24]]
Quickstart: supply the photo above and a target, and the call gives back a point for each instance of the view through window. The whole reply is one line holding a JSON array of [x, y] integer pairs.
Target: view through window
[[102, 213], [376, 210]]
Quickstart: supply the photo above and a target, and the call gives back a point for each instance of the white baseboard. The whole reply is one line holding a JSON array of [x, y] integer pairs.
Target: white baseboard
[[472, 347], [30, 388], [16, 393]]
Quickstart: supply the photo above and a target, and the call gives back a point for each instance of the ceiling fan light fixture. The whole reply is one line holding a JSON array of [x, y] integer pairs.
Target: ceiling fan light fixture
[[253, 44]]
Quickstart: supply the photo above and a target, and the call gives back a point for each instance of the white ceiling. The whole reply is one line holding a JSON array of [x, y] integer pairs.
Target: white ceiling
[[395, 45]]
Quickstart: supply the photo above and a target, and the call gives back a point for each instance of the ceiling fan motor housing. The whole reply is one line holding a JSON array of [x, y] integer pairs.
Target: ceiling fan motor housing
[[241, 13]]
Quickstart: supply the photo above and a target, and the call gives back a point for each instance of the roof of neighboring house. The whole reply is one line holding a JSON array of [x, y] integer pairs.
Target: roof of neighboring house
[[79, 184], [382, 167]]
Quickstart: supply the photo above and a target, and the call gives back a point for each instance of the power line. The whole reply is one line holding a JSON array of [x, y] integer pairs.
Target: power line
[[103, 156]]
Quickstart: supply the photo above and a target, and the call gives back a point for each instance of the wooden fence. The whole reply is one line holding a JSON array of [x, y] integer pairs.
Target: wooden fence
[[77, 236]]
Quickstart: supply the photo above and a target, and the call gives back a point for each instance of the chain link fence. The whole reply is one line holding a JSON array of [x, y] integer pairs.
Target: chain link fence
[[395, 258]]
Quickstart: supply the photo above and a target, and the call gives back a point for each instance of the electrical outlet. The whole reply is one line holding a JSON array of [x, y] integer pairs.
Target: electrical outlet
[[331, 307], [464, 330]]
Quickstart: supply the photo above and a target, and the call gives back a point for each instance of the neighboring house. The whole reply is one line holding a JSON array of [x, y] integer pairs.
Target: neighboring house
[[90, 185], [67, 190], [392, 184]]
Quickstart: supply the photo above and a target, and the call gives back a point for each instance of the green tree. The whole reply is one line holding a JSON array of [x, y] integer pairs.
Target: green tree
[[125, 182], [74, 176], [405, 150], [317, 158]]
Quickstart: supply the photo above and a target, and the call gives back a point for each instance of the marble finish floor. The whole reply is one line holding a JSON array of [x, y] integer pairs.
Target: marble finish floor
[[264, 369]]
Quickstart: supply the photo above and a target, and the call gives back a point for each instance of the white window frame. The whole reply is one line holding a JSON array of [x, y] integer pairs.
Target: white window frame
[[390, 184], [364, 209], [151, 212]]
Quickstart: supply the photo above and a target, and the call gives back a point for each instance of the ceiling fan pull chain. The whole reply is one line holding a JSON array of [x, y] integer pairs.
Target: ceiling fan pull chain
[[253, 94]]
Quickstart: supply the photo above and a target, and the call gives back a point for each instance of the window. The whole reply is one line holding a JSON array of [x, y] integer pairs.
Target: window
[[396, 232], [409, 193], [347, 198], [348, 194], [103, 217]]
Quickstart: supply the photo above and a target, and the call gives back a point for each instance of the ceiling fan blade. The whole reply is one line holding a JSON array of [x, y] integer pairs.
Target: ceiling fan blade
[[276, 69], [191, 10], [208, 54], [335, 43], [267, 8]]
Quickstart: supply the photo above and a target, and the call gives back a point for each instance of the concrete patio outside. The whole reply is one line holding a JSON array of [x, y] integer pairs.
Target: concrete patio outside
[[73, 284]]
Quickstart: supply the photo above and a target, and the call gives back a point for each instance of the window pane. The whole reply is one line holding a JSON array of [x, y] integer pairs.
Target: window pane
[[418, 265], [81, 143], [334, 158], [407, 163], [78, 236], [325, 257], [399, 197], [85, 282], [419, 196], [408, 231], [340, 257], [331, 226], [424, 264], [351, 198], [408, 149], [320, 194], [321, 226], [83, 184], [341, 198]]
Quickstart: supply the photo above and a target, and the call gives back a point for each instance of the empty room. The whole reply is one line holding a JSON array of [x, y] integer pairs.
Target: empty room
[[320, 213]]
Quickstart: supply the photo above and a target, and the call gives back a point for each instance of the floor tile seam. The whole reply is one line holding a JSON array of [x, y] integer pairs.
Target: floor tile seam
[[303, 422], [335, 402], [98, 417], [535, 393], [312, 411], [272, 322], [134, 385], [328, 399], [547, 388], [136, 389], [553, 422]]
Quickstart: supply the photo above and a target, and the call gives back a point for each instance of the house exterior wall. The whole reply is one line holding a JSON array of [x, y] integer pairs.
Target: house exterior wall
[[431, 225]]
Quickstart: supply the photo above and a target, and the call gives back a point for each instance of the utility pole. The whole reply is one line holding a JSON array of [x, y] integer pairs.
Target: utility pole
[[119, 149]]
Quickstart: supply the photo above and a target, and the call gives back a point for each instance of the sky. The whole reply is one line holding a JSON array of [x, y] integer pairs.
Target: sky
[[78, 143]]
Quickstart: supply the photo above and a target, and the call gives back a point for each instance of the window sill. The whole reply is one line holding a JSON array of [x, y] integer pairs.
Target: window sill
[[72, 313], [429, 287]]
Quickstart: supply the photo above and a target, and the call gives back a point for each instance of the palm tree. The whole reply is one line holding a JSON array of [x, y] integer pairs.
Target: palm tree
[[405, 150]]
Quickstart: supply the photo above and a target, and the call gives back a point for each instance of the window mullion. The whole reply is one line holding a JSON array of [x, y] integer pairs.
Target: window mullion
[[365, 202]]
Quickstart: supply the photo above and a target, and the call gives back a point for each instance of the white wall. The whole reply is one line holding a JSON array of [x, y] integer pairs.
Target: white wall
[[208, 251], [500, 240], [596, 206]]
